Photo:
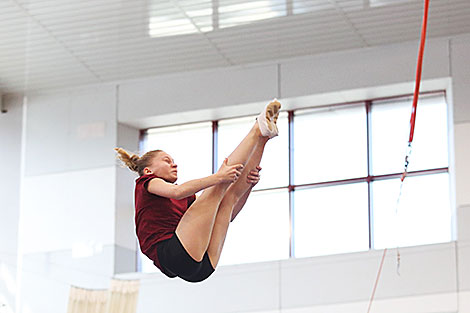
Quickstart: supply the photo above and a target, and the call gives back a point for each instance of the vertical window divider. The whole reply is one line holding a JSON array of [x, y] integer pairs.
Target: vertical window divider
[[368, 105], [291, 187], [142, 140], [215, 148], [142, 145]]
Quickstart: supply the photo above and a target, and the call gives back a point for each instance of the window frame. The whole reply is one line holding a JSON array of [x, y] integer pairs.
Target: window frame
[[291, 187]]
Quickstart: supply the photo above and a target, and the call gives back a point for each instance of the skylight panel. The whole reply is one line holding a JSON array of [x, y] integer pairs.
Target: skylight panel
[[235, 14], [379, 3], [173, 17]]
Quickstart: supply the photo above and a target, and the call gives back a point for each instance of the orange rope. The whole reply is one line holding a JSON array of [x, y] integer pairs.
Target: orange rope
[[376, 281]]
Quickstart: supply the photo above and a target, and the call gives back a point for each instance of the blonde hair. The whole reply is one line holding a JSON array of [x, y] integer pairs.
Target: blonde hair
[[134, 162]]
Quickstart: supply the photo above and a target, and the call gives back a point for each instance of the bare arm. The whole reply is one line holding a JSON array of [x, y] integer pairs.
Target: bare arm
[[226, 173], [160, 187]]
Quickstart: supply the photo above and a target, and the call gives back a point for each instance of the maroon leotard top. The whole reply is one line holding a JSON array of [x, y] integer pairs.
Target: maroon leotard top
[[156, 217]]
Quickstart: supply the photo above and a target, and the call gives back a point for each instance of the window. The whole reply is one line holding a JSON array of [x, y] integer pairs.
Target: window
[[331, 179], [424, 214], [330, 144], [192, 154], [193, 151], [331, 220], [390, 131], [275, 162], [261, 230]]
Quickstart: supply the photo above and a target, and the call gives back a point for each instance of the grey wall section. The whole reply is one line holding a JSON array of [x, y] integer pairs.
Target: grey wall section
[[47, 276], [10, 164], [460, 67], [71, 130], [315, 75], [68, 212], [333, 283], [125, 240], [460, 50], [350, 278], [141, 102], [348, 70]]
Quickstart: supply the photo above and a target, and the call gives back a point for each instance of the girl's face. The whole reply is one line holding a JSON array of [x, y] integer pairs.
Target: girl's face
[[163, 166]]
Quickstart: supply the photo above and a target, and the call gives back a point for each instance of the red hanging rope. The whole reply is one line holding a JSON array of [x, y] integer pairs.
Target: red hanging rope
[[412, 127], [417, 85], [418, 70]]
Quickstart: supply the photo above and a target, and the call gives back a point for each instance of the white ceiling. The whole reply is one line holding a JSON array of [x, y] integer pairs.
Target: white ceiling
[[48, 44]]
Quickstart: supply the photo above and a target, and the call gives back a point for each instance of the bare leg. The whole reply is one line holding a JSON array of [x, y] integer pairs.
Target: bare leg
[[233, 194], [195, 227]]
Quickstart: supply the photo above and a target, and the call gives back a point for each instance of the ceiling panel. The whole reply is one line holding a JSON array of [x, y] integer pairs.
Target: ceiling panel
[[47, 44]]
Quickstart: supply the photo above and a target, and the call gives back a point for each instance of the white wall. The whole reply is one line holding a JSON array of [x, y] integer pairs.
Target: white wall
[[69, 212], [338, 283], [460, 65], [10, 161], [330, 78], [142, 102], [125, 254], [78, 202]]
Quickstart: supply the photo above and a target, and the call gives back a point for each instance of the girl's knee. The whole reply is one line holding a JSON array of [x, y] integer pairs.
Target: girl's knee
[[203, 272]]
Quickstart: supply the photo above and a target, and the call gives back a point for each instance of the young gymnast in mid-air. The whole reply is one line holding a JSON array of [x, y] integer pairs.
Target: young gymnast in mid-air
[[182, 235]]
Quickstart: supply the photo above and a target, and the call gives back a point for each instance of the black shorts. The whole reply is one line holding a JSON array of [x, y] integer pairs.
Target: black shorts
[[175, 261]]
